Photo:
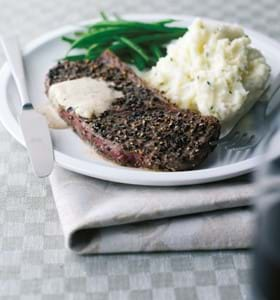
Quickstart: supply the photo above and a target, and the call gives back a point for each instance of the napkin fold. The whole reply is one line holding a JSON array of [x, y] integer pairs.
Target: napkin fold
[[105, 217]]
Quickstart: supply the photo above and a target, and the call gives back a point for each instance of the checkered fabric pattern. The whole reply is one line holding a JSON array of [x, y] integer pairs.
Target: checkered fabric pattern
[[34, 263]]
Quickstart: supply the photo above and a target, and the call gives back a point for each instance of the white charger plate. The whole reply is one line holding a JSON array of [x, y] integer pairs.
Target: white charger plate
[[73, 154]]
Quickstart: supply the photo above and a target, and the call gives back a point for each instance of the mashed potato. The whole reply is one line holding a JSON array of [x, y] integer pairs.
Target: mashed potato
[[212, 69]]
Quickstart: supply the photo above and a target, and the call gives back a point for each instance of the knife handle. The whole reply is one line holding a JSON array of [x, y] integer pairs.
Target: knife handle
[[13, 54]]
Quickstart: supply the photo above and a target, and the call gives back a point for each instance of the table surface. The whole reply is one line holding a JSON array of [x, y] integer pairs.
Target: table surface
[[34, 263]]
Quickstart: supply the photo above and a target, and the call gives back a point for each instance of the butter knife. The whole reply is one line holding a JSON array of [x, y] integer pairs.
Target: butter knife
[[34, 126]]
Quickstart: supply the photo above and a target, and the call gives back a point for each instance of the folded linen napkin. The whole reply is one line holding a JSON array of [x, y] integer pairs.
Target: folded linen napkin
[[104, 217]]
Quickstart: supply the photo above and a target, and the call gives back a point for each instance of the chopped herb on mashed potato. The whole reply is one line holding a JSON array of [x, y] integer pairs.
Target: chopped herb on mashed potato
[[212, 69]]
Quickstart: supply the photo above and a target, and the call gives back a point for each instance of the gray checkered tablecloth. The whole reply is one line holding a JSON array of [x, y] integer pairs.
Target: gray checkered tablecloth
[[33, 261]]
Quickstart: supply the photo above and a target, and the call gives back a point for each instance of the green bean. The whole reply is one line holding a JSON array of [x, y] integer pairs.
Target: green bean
[[88, 39], [75, 57], [135, 47], [118, 17], [164, 22], [104, 35], [155, 39], [79, 33], [95, 50], [93, 55], [68, 40], [138, 43], [156, 52], [135, 25], [139, 62], [104, 16]]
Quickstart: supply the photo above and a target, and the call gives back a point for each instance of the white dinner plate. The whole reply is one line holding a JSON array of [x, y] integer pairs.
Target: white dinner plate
[[73, 154]]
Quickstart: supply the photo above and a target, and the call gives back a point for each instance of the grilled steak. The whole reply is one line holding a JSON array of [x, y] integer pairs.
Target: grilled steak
[[141, 129]]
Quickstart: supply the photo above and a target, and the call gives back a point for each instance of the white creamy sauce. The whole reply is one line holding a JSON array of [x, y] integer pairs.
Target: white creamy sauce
[[52, 116], [87, 96]]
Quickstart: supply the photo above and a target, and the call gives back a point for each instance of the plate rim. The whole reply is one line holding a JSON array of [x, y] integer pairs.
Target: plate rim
[[124, 174]]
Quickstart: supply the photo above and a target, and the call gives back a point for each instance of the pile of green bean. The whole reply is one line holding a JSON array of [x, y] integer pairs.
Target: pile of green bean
[[137, 43]]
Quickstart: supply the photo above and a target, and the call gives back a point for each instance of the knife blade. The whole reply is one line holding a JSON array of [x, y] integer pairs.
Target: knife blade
[[38, 141], [34, 126]]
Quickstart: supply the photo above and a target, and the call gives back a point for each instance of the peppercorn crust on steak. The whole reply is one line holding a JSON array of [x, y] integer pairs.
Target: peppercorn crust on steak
[[141, 128]]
